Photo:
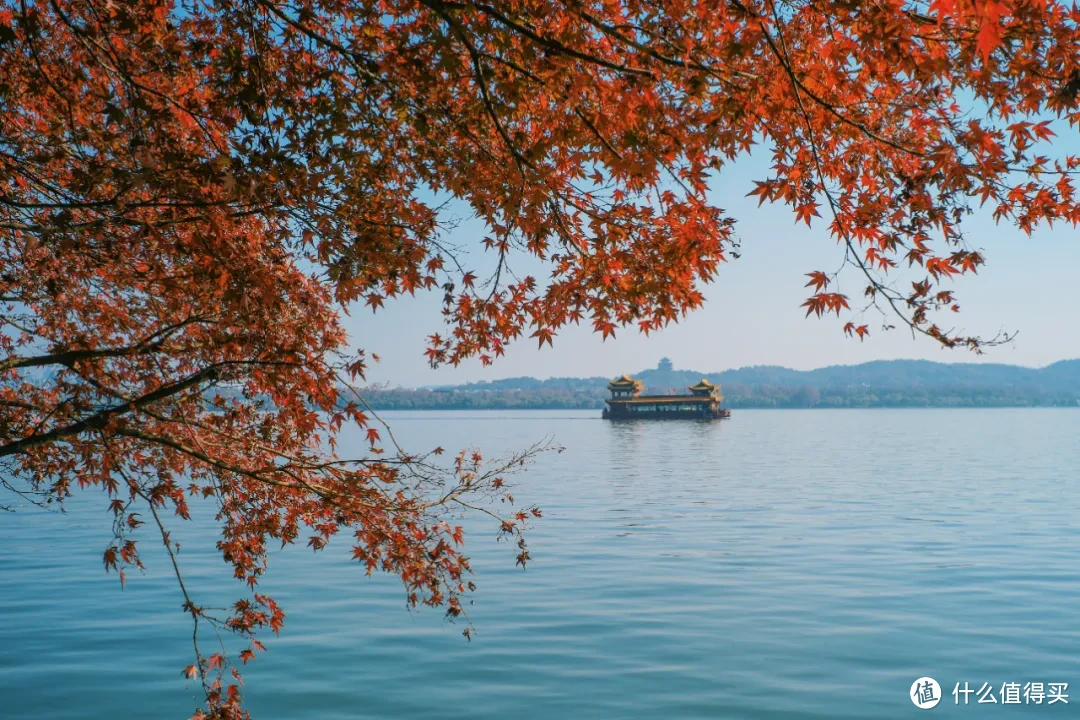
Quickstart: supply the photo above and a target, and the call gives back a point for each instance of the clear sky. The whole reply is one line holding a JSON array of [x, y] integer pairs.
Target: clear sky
[[752, 314]]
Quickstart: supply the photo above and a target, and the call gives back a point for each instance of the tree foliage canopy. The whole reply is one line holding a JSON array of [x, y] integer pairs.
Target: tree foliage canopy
[[191, 191]]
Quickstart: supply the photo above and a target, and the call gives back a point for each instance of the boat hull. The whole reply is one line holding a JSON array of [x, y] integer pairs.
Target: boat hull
[[718, 414]]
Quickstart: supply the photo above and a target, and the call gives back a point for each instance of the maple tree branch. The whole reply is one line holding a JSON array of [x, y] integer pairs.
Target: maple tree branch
[[548, 43], [189, 604], [337, 499], [327, 494], [355, 57], [294, 461], [70, 357], [93, 204], [535, 78], [203, 456], [41, 500], [367, 68], [932, 332], [817, 163], [130, 222], [799, 85], [603, 140], [611, 31], [478, 71], [18, 404], [101, 419]]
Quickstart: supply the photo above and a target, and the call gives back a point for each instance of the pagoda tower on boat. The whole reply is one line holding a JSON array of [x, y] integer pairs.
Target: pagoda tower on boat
[[626, 401]]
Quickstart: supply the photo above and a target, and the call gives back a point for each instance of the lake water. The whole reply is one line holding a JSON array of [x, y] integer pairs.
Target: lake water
[[781, 564]]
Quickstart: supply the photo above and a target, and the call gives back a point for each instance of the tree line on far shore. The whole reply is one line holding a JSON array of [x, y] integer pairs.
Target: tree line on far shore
[[735, 396]]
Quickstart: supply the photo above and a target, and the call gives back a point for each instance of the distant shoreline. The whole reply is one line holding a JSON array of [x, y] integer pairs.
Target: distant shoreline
[[385, 408]]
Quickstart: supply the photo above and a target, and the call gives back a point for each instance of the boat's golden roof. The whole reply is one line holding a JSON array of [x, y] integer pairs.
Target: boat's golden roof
[[625, 382]]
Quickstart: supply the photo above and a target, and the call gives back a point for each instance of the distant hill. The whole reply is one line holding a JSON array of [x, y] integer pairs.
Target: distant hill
[[898, 374], [882, 383]]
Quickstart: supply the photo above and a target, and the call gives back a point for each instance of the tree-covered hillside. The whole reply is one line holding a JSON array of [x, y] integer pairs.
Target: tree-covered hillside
[[887, 383]]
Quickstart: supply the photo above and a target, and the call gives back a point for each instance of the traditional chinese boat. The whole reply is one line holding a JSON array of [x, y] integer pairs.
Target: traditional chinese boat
[[626, 401]]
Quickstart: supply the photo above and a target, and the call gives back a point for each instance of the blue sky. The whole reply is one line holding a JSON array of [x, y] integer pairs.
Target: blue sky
[[752, 314]]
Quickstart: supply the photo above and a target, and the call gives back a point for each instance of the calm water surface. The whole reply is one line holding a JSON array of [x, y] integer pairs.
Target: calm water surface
[[783, 564]]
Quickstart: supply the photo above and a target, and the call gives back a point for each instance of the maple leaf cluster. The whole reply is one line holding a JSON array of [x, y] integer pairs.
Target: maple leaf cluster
[[192, 191]]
